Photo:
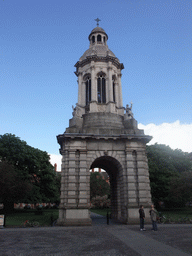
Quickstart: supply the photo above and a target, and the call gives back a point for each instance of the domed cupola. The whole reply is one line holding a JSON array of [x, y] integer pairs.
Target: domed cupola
[[99, 78], [98, 36], [98, 45]]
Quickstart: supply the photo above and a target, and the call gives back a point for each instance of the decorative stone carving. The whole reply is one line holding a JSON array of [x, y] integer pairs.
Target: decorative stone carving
[[128, 110], [76, 111]]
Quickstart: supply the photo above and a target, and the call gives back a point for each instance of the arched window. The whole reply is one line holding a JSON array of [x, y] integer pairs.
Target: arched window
[[99, 38], [101, 89], [93, 39], [88, 90]]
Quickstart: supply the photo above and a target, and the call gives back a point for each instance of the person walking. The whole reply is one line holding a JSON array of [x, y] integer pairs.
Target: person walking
[[153, 214], [142, 218]]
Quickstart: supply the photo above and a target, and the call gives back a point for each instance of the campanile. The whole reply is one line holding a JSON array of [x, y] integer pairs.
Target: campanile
[[102, 133]]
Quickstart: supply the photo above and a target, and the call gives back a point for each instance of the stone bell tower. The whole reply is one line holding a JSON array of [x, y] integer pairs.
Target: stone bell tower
[[104, 134]]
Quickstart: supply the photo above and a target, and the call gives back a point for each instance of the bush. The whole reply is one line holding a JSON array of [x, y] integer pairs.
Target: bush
[[100, 202]]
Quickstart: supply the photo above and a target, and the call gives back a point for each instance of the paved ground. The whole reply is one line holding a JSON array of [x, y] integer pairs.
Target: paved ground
[[98, 240]]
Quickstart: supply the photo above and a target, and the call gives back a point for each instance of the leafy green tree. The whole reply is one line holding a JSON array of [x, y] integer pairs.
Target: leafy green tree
[[166, 167], [12, 187], [98, 185], [181, 189], [32, 167]]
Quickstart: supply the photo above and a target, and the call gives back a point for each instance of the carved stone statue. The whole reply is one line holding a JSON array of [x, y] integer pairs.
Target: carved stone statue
[[128, 110], [75, 111]]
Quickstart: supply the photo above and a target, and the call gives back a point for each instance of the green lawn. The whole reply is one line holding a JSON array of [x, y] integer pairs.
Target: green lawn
[[20, 216], [177, 214]]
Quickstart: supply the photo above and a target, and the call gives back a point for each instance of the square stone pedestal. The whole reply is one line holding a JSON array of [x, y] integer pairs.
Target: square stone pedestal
[[74, 217]]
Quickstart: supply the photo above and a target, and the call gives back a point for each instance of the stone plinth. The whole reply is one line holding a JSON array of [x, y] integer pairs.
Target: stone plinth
[[74, 217]]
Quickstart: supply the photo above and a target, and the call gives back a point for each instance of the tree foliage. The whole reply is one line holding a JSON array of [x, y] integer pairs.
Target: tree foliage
[[28, 166], [167, 169], [181, 189], [12, 187], [98, 185]]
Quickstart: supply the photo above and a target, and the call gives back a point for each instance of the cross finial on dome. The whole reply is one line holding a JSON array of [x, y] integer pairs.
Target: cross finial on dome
[[97, 21]]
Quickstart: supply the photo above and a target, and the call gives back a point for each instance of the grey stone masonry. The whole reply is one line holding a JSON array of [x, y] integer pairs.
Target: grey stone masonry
[[123, 156], [101, 135]]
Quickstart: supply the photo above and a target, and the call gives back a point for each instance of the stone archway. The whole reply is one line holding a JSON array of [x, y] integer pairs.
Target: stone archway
[[123, 157], [117, 186]]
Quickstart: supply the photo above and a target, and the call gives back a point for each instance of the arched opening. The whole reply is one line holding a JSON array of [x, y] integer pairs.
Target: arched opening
[[99, 38], [93, 39], [99, 190], [114, 170]]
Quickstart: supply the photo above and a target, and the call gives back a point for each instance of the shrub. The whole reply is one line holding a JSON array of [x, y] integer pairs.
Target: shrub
[[100, 202]]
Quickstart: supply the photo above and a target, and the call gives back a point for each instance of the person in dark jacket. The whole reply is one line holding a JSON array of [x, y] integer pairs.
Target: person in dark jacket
[[153, 214], [142, 218]]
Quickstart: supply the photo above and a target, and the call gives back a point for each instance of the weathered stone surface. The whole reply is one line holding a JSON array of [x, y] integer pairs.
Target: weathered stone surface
[[101, 135]]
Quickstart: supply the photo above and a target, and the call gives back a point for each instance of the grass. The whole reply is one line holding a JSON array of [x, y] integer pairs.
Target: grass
[[17, 218], [176, 215]]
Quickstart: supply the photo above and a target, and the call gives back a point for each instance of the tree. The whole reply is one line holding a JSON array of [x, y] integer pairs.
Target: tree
[[166, 167], [32, 167], [12, 187], [181, 189], [98, 185]]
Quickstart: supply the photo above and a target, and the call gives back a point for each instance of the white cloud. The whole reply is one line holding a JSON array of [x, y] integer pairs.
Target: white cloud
[[56, 159], [175, 135]]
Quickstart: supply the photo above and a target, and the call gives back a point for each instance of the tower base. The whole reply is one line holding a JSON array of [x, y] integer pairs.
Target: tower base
[[133, 216], [74, 217]]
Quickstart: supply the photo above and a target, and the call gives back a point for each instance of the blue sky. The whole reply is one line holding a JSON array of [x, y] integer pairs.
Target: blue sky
[[42, 40]]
